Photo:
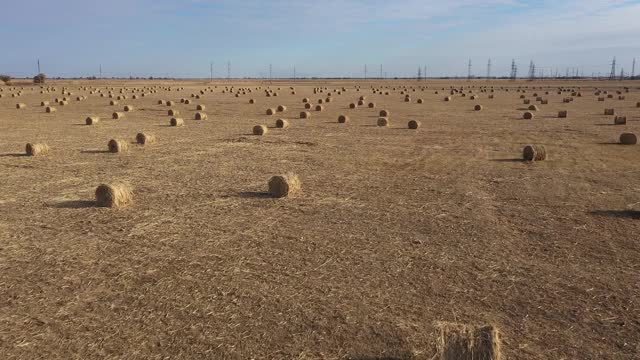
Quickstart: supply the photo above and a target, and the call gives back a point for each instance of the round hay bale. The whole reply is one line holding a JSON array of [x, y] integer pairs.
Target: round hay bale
[[628, 139], [527, 115], [533, 108], [113, 195], [448, 98], [305, 115], [352, 106], [620, 120], [282, 124], [281, 108], [44, 103], [144, 139], [384, 113], [638, 104], [477, 107], [51, 109], [307, 106], [534, 153], [305, 100], [176, 122], [407, 99], [113, 103], [320, 101], [63, 103], [343, 119], [420, 101], [259, 130], [117, 146], [562, 114], [117, 115], [36, 149], [252, 101], [271, 111], [171, 103], [284, 185], [201, 116], [128, 108], [173, 112], [383, 122], [609, 112], [414, 124], [200, 107], [372, 105], [319, 107], [92, 120], [360, 102], [21, 106]]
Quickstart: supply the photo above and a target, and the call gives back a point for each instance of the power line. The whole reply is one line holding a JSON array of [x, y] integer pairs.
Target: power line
[[514, 70], [469, 70], [612, 76], [489, 69], [633, 69]]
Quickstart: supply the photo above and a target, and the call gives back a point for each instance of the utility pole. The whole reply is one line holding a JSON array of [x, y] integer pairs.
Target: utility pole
[[419, 73], [621, 74], [39, 66], [532, 71], [612, 76], [469, 70], [633, 69], [514, 70], [489, 68]]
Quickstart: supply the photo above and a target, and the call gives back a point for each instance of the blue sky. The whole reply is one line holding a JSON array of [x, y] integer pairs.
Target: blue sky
[[320, 38]]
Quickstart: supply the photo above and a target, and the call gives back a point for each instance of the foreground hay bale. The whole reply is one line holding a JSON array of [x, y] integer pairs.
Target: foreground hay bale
[[282, 124], [201, 116], [176, 122], [562, 114], [464, 342], [36, 149], [113, 195], [281, 108], [305, 115], [352, 106], [383, 122], [260, 130], [51, 109], [477, 107], [284, 185], [414, 124], [620, 120], [144, 139], [21, 106], [117, 115], [343, 119], [271, 111], [117, 146], [173, 112], [528, 115], [200, 107], [628, 139], [319, 108], [92, 120], [534, 153]]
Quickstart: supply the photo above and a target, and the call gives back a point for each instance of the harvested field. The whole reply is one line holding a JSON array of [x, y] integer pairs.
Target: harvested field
[[393, 231]]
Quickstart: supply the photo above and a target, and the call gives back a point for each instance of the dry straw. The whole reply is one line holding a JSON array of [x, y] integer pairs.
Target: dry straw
[[176, 122], [92, 120], [36, 149], [284, 185], [282, 124], [201, 116], [21, 106], [534, 153], [259, 130], [305, 115], [173, 112], [465, 342], [200, 107], [113, 195], [144, 139], [117, 146], [51, 109], [117, 115]]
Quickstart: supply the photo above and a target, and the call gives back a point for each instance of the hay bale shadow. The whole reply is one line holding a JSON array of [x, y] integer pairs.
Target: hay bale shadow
[[509, 160], [254, 194], [14, 155], [366, 357], [624, 214], [94, 151], [75, 204]]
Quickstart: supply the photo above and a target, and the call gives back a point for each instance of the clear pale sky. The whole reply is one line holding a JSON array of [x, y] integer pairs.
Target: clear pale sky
[[320, 38]]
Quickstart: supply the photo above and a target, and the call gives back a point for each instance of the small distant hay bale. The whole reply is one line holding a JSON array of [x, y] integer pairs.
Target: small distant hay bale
[[383, 122], [92, 120], [384, 113], [200, 107], [473, 97], [282, 124], [420, 101], [352, 106], [44, 103], [620, 120], [372, 105], [343, 119], [144, 139], [259, 130], [271, 111], [609, 111], [628, 139], [327, 100], [562, 114], [21, 106], [600, 99], [113, 195], [528, 115], [477, 107], [171, 103], [128, 108], [638, 104], [544, 102], [320, 101], [307, 106], [319, 107], [113, 103], [51, 109], [414, 124], [305, 100], [281, 186], [526, 101], [533, 108], [447, 98], [281, 108], [63, 103], [305, 115], [252, 101], [363, 98], [201, 116], [621, 97], [36, 149], [464, 342], [534, 153], [173, 112], [117, 115], [176, 122], [117, 146]]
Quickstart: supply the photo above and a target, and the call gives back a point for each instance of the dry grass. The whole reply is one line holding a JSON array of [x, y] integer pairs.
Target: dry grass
[[464, 342]]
